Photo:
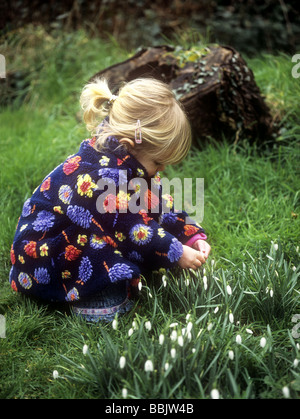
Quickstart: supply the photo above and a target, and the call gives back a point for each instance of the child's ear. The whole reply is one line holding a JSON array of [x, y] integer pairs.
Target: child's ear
[[127, 143]]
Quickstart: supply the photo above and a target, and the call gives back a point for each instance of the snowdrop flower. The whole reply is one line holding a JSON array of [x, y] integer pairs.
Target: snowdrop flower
[[231, 355], [134, 325], [189, 327], [167, 365], [238, 339], [187, 282], [263, 342], [229, 290], [55, 374], [187, 318], [122, 362], [249, 331], [149, 366], [85, 349], [161, 339], [173, 353], [294, 268], [275, 246], [216, 310], [210, 326], [124, 393], [271, 293], [296, 363], [164, 280], [205, 282], [140, 286], [212, 262], [173, 324], [215, 394], [286, 392], [148, 325], [231, 318], [193, 350], [173, 335], [130, 332], [115, 324], [189, 336], [180, 341]]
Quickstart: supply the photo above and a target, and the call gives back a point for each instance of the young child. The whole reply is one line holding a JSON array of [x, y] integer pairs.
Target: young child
[[77, 244]]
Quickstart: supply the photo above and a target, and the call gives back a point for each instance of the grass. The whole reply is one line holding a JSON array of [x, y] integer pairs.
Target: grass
[[227, 327]]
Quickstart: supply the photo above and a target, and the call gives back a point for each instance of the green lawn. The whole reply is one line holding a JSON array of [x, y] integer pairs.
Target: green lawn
[[228, 327]]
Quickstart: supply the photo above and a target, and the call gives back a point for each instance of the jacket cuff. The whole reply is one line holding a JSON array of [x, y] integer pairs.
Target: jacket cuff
[[192, 240]]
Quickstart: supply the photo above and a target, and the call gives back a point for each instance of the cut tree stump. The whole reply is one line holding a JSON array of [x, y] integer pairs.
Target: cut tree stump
[[214, 84]]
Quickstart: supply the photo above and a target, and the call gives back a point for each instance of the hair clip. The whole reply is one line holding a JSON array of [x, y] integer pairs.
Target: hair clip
[[112, 99], [138, 132]]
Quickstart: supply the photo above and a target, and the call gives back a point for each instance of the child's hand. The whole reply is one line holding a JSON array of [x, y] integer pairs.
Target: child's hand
[[203, 247], [191, 258]]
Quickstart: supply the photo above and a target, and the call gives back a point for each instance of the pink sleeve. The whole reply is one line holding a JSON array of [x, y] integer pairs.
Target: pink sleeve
[[192, 240]]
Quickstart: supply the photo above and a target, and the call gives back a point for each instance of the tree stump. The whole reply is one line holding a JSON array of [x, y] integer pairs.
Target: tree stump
[[214, 84]]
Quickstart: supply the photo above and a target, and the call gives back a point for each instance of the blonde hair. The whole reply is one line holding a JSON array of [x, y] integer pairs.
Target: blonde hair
[[166, 132]]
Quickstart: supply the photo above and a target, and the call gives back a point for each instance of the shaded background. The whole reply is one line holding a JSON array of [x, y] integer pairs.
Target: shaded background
[[249, 26]]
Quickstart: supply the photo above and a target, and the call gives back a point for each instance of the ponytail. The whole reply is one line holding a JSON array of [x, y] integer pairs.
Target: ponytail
[[92, 100]]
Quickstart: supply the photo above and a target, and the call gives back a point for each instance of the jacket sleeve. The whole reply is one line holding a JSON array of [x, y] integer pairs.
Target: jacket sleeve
[[143, 241]]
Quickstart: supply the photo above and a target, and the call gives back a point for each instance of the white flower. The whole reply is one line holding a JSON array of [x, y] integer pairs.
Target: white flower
[[173, 336], [249, 331], [85, 349], [205, 282], [167, 365], [148, 325], [187, 282], [238, 339], [296, 363], [189, 327], [271, 293], [231, 318], [173, 324], [263, 342], [173, 353], [275, 246], [215, 394], [134, 325], [149, 366], [115, 324], [294, 268], [140, 286], [164, 280], [122, 362], [180, 341], [55, 374], [193, 350], [229, 290], [187, 318], [216, 310], [210, 326], [124, 393], [286, 392], [212, 262], [161, 339], [231, 355], [130, 332]]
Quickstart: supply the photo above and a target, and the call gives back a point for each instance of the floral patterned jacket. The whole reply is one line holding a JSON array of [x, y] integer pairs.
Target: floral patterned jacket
[[66, 247]]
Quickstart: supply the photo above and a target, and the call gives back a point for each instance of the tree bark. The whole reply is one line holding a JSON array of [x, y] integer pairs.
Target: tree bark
[[214, 84]]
